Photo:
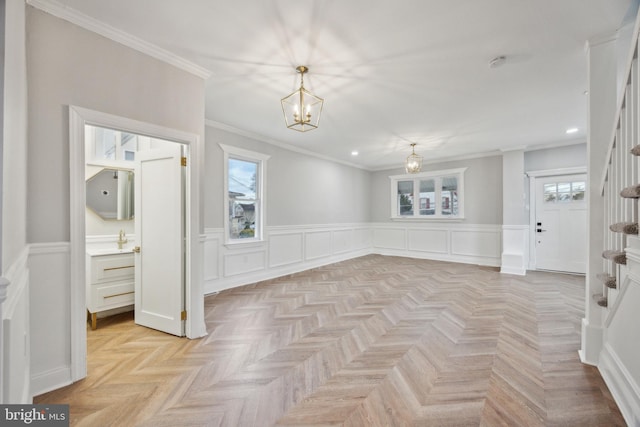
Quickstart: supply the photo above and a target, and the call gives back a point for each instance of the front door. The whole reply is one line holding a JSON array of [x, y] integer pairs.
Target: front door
[[159, 226], [561, 223]]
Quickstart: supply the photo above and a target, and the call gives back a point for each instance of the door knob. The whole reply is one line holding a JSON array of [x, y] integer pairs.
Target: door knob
[[136, 249]]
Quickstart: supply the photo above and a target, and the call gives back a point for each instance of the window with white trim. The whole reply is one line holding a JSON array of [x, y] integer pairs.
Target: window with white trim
[[428, 195], [244, 184]]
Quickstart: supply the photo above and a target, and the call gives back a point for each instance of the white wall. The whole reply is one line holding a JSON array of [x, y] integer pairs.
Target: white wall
[[14, 170], [515, 231], [68, 65], [513, 185], [15, 361]]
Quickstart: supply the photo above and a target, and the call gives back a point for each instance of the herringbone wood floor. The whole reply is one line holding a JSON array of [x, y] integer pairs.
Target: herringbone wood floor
[[374, 341]]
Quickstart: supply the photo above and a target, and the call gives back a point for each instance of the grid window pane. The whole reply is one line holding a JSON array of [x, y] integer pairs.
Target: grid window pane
[[449, 196], [427, 197], [242, 198], [405, 198], [577, 190], [564, 197], [550, 193]]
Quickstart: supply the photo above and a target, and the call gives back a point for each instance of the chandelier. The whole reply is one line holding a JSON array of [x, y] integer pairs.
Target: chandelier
[[414, 162], [302, 109]]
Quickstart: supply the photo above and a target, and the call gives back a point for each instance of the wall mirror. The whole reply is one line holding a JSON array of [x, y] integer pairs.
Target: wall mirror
[[110, 194]]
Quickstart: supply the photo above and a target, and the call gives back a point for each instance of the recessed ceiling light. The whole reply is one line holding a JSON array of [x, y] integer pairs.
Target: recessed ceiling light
[[354, 153], [572, 130]]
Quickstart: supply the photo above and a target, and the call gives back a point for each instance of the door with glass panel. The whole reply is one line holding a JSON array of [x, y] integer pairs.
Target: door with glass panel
[[561, 223]]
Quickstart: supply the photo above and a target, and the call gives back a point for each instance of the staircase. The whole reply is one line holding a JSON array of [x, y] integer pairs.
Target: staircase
[[615, 288], [621, 188]]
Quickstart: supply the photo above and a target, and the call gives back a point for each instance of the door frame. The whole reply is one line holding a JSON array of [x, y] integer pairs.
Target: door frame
[[194, 294], [533, 175]]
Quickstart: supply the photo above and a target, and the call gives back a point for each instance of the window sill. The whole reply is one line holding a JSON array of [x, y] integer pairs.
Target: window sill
[[245, 244], [428, 219]]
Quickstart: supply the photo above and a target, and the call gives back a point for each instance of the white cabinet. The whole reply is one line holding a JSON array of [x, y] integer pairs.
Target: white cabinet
[[110, 281]]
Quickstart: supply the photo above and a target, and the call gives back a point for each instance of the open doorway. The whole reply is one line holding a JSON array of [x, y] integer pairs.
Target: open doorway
[[184, 147], [135, 228]]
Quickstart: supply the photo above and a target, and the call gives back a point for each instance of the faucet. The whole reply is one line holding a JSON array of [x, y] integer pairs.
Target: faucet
[[121, 239]]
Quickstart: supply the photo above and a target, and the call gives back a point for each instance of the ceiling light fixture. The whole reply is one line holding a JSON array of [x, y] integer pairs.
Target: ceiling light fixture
[[354, 153], [572, 130], [302, 109], [414, 162]]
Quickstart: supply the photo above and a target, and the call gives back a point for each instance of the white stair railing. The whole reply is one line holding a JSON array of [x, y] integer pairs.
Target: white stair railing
[[621, 184]]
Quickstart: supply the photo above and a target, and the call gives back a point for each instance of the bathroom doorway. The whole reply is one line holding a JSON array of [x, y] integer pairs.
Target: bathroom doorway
[[189, 295], [135, 199]]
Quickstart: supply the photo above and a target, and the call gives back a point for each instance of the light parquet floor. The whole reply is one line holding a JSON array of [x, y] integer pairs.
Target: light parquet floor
[[373, 341]]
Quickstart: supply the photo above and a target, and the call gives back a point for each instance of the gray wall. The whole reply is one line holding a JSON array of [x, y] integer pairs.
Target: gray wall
[[301, 189], [482, 189], [14, 165], [68, 65], [556, 158]]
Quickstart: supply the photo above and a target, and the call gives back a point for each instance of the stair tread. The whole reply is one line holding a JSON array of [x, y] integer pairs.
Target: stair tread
[[601, 300], [624, 227], [619, 257], [631, 192], [608, 280]]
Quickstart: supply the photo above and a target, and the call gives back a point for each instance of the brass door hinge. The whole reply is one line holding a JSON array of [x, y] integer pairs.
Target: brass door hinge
[[183, 315], [183, 161]]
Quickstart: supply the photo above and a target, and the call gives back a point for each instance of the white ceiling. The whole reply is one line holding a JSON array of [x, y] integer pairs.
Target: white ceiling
[[391, 72]]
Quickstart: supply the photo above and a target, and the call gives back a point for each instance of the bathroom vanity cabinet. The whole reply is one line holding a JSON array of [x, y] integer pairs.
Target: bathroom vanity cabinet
[[110, 280]]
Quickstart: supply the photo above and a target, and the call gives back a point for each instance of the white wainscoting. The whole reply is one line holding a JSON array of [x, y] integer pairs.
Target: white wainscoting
[[445, 241], [16, 372], [286, 250], [619, 361], [515, 252], [292, 249], [49, 307]]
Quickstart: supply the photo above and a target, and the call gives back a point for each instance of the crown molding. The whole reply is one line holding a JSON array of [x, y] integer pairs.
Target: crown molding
[[270, 141], [600, 39], [558, 144], [267, 140], [69, 14], [518, 148], [438, 160]]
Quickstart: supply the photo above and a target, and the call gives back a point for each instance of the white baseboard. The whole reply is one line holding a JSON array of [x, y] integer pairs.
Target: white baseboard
[[51, 380], [16, 357], [624, 389], [475, 260], [513, 270], [213, 286], [591, 343], [515, 249]]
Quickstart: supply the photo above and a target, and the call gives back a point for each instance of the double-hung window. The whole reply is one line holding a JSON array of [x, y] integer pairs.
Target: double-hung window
[[428, 195], [244, 184]]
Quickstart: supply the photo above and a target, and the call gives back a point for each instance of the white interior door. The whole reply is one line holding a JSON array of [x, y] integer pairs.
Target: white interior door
[[561, 223], [159, 225]]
